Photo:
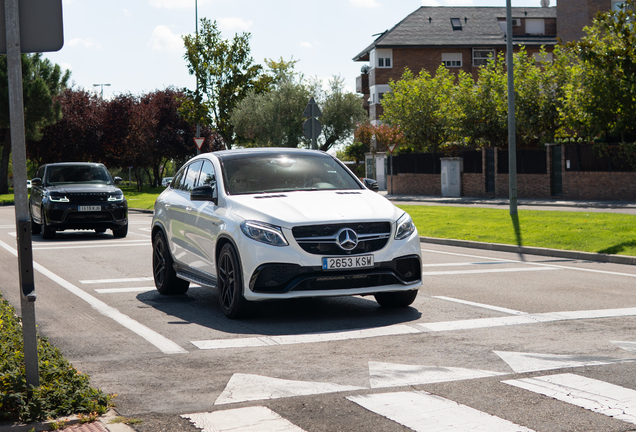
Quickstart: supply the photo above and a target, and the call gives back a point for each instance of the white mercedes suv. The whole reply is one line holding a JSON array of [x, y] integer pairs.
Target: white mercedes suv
[[272, 223]]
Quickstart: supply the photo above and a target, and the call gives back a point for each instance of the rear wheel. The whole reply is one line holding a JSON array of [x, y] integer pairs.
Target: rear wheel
[[47, 231], [396, 299], [230, 284], [166, 279]]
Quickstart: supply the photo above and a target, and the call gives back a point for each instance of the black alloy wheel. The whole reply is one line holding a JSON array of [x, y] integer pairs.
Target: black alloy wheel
[[396, 299], [166, 280], [230, 284], [47, 231]]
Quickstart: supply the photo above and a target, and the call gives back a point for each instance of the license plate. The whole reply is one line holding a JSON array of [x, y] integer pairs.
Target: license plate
[[90, 208], [344, 263]]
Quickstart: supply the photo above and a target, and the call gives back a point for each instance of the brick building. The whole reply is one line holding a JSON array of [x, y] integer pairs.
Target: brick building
[[576, 14], [461, 38]]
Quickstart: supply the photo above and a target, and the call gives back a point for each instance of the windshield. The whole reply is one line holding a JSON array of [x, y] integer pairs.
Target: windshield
[[284, 173], [67, 174]]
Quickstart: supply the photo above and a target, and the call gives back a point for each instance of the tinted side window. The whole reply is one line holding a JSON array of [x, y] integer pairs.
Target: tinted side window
[[191, 176], [40, 173], [207, 174], [176, 182]]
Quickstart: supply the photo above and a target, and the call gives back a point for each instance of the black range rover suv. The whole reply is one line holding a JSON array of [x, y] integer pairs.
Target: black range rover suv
[[77, 195]]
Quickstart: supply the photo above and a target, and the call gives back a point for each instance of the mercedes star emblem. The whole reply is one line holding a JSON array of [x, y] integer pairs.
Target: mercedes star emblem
[[347, 239]]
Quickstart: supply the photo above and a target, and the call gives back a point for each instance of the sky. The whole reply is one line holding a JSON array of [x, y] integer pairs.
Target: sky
[[136, 47]]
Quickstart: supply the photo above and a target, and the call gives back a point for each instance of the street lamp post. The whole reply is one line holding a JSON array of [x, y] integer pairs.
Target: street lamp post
[[196, 27], [512, 142], [102, 85]]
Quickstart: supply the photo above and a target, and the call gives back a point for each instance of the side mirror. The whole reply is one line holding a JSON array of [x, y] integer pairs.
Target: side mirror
[[117, 180], [204, 193], [36, 181], [370, 184]]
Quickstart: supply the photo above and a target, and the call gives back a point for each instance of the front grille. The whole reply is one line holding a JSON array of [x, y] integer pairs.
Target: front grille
[[56, 215], [89, 217], [87, 197], [346, 282], [321, 239]]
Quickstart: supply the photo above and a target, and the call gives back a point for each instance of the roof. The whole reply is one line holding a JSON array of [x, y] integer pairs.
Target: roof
[[431, 26]]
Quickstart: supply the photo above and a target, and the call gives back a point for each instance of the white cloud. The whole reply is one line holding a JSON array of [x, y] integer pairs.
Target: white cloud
[[164, 40], [306, 45], [126, 12], [86, 43], [172, 4], [364, 3], [234, 24]]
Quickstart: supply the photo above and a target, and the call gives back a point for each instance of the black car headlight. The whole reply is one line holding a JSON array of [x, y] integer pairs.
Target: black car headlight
[[405, 227], [264, 233], [116, 197], [57, 197]]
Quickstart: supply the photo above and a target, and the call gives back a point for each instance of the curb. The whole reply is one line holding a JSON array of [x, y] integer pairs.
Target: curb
[[529, 250], [72, 424], [520, 202]]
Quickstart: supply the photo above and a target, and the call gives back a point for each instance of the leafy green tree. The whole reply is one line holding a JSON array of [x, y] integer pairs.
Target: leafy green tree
[[42, 81], [225, 73], [424, 108]]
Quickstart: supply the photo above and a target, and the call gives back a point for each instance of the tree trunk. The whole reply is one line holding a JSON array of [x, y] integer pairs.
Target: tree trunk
[[4, 164]]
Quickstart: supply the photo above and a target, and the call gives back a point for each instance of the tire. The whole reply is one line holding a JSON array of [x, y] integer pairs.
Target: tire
[[47, 231], [396, 299], [35, 227], [230, 284], [120, 232], [166, 280]]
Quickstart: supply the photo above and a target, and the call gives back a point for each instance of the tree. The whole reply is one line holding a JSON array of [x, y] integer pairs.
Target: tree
[[225, 73], [42, 81], [424, 108]]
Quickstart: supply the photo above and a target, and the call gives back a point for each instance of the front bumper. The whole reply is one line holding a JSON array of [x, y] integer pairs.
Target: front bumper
[[61, 216]]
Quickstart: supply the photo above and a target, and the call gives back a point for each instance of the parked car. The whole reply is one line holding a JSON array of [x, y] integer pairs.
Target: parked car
[[28, 184], [263, 224], [77, 195], [370, 184], [166, 181]]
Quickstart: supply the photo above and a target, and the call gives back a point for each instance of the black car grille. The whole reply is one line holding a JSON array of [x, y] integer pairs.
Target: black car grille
[[89, 217], [97, 197], [322, 239]]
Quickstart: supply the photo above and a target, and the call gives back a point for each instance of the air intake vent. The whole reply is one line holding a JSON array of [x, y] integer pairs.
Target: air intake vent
[[270, 196]]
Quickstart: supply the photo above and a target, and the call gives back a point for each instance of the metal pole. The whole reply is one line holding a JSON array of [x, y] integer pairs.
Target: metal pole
[[22, 219], [196, 27], [391, 162], [512, 143]]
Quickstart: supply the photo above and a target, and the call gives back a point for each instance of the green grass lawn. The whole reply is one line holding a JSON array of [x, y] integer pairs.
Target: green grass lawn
[[7, 199], [141, 200], [610, 233]]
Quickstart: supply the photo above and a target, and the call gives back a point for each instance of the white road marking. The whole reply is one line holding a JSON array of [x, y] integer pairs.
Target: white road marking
[[398, 375], [245, 387], [502, 270], [156, 339], [93, 246], [123, 290], [250, 419], [7, 226], [598, 396], [481, 305], [532, 362], [102, 281], [424, 412], [457, 264], [402, 329], [629, 346], [533, 263]]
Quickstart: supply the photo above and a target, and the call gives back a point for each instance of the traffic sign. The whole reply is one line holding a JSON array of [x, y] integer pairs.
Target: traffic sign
[[312, 110], [199, 142], [392, 147], [312, 128], [41, 28]]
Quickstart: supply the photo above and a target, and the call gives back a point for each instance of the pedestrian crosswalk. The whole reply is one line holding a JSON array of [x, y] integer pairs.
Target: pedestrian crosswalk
[[421, 410]]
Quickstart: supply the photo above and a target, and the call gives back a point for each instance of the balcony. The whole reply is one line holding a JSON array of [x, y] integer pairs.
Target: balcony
[[362, 84]]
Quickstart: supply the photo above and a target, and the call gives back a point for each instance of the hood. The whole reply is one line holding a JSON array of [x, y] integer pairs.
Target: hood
[[306, 207], [83, 188]]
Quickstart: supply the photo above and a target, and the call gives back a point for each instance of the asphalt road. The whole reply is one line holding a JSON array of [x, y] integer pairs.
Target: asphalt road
[[489, 336]]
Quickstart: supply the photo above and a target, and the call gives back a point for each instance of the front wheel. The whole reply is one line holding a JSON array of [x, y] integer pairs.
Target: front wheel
[[166, 279], [230, 284], [396, 299]]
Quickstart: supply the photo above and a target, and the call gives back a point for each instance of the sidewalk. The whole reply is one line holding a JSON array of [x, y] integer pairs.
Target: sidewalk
[[71, 424]]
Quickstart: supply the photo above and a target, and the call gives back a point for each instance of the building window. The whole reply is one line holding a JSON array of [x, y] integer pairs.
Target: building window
[[384, 62], [482, 55], [535, 26], [452, 59], [456, 23]]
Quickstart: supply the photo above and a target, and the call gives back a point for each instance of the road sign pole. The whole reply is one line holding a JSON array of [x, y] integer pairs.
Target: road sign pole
[[391, 163], [23, 224], [512, 142]]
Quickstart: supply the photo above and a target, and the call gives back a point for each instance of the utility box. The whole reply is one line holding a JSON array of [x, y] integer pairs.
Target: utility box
[[452, 176], [377, 169]]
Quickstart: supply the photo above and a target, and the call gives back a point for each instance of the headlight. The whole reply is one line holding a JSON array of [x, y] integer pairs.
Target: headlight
[[58, 198], [405, 227], [116, 197], [264, 233]]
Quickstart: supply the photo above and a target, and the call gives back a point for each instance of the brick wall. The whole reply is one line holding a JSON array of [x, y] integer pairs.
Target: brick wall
[[575, 14], [473, 184], [612, 186]]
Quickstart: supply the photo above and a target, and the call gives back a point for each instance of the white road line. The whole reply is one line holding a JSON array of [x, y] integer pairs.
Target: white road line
[[522, 362], [456, 264], [7, 226], [123, 290], [597, 396], [424, 412], [156, 339], [402, 329], [250, 419], [399, 375], [532, 263], [481, 305], [102, 281], [503, 270], [86, 246]]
